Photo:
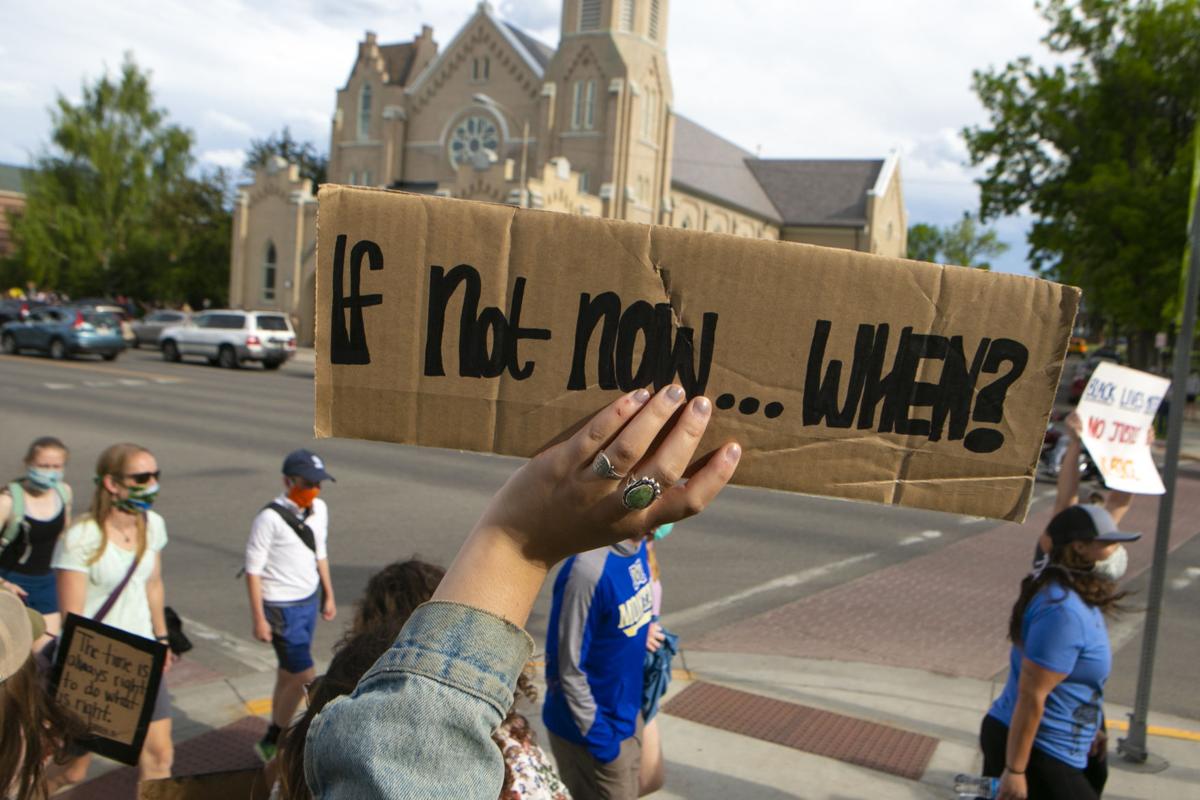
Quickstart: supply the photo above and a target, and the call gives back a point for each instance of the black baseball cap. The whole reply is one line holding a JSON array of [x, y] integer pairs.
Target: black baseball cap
[[306, 464], [1086, 523]]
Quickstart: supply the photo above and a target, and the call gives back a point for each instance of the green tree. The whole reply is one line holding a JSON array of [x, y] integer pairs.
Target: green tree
[[924, 242], [111, 207], [1098, 148], [313, 164], [965, 243]]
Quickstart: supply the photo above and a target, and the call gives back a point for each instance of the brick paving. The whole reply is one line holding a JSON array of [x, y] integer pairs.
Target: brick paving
[[946, 612], [822, 733]]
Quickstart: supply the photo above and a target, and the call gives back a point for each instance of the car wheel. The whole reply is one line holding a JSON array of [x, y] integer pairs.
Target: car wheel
[[9, 344], [227, 358], [58, 349], [170, 351], [272, 364], [109, 356]]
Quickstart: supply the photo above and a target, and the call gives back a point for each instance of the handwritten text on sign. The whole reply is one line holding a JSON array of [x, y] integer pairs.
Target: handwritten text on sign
[[639, 344], [1117, 410]]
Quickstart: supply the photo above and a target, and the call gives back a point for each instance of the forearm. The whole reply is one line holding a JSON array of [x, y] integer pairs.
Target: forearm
[[1027, 716], [1068, 476], [254, 590], [155, 594], [326, 583], [491, 573]]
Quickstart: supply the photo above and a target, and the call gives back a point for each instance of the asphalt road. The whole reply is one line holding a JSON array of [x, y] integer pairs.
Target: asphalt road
[[220, 437]]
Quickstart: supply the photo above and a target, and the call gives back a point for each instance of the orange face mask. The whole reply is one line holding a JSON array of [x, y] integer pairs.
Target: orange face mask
[[303, 497]]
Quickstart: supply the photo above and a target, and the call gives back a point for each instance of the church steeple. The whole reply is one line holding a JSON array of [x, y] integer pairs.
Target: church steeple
[[646, 19], [608, 103]]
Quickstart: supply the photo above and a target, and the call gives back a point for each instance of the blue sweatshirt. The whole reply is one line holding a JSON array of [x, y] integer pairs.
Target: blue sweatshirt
[[595, 647]]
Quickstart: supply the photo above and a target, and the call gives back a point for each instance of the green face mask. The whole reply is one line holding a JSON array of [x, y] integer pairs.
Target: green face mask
[[140, 499]]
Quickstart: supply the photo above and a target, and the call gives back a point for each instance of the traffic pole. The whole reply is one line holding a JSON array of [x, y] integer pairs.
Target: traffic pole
[[1133, 746]]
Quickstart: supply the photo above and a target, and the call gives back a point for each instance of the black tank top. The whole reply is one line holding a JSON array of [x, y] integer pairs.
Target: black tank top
[[37, 538]]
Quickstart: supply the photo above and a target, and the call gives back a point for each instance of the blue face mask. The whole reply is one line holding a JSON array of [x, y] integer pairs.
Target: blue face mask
[[44, 478]]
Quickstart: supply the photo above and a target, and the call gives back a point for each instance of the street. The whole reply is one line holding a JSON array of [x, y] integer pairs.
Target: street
[[220, 435]]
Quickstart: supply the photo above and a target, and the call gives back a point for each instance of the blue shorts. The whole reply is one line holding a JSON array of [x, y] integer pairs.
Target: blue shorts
[[292, 626], [42, 589]]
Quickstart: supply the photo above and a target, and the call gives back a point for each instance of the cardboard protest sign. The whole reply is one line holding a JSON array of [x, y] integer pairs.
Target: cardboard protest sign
[[1117, 410], [485, 327], [109, 679]]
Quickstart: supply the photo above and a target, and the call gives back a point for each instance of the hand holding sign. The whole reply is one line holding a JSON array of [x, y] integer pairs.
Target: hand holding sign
[[1117, 414]]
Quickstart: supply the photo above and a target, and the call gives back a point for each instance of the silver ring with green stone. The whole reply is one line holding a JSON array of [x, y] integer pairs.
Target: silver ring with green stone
[[640, 493]]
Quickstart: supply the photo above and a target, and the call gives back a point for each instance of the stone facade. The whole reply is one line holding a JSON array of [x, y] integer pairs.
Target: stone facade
[[587, 128]]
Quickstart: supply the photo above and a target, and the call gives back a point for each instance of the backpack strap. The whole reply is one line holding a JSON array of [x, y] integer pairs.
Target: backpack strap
[[16, 515], [296, 524]]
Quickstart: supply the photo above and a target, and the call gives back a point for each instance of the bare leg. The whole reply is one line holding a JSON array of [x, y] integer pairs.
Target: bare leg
[[158, 753], [289, 691], [651, 775]]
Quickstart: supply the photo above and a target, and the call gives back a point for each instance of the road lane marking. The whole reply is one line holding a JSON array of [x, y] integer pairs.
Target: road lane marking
[[99, 384], [131, 382], [256, 655], [1185, 580], [920, 538], [787, 581], [90, 367], [57, 386]]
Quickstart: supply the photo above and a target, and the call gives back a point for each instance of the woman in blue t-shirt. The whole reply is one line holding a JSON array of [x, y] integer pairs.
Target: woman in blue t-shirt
[[1037, 734]]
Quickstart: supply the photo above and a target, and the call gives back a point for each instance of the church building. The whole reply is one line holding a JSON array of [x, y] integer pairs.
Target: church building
[[587, 128]]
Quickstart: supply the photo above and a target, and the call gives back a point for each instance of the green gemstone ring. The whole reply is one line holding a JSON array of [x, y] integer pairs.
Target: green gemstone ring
[[640, 493]]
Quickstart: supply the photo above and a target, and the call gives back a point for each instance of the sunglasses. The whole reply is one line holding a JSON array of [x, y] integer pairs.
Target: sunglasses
[[143, 477]]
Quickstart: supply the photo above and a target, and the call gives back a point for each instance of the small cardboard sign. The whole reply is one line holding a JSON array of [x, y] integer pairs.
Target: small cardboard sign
[[108, 678], [1117, 411], [474, 326]]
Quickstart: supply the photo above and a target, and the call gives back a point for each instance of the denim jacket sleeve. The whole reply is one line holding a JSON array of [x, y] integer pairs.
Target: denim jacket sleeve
[[419, 724]]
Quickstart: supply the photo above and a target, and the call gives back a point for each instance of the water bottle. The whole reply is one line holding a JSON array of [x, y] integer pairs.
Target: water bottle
[[969, 787]]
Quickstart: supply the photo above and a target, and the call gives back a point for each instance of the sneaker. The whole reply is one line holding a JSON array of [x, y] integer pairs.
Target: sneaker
[[266, 750]]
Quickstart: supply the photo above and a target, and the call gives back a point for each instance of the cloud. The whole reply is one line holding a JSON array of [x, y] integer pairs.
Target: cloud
[[231, 158], [228, 123]]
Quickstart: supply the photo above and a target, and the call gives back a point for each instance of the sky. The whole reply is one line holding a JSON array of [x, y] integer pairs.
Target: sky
[[786, 79]]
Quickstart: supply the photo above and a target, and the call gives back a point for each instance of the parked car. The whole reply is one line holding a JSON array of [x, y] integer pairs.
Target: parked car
[[149, 328], [63, 332], [119, 312], [230, 338], [15, 310]]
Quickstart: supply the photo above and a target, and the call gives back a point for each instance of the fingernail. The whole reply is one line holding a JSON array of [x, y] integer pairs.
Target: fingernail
[[734, 453], [641, 396], [674, 393], [702, 406]]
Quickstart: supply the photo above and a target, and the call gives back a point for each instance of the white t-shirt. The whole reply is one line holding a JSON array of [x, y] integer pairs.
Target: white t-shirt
[[131, 612], [277, 555]]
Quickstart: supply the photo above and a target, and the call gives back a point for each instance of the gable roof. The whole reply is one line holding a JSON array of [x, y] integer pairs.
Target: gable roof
[[825, 192], [542, 53], [399, 61], [707, 164], [12, 178]]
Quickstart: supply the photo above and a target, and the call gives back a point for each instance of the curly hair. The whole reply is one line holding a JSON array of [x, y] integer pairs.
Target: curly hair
[[393, 593], [1072, 572], [32, 727]]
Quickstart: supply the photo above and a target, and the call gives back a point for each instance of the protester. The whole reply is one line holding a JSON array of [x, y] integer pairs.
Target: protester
[[109, 568], [287, 574], [392, 594], [34, 510], [595, 653], [661, 646], [33, 728], [457, 660], [1038, 734]]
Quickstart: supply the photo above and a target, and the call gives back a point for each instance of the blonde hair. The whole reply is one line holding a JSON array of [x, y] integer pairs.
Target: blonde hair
[[113, 462]]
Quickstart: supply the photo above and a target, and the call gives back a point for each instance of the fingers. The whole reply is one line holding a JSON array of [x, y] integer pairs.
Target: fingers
[[680, 502], [672, 457], [590, 439], [636, 437]]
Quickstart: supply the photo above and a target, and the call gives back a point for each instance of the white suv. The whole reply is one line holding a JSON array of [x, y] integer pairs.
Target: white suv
[[230, 338]]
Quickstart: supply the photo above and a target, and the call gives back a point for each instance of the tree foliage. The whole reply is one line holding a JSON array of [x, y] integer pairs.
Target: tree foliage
[[966, 243], [1098, 148], [111, 207], [313, 164]]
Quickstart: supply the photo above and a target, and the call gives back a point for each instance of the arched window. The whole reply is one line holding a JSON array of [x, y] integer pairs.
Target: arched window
[[268, 287], [364, 112]]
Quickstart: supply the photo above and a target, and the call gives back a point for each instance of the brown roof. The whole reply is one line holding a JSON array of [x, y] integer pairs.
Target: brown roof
[[705, 163], [399, 61], [826, 192]]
